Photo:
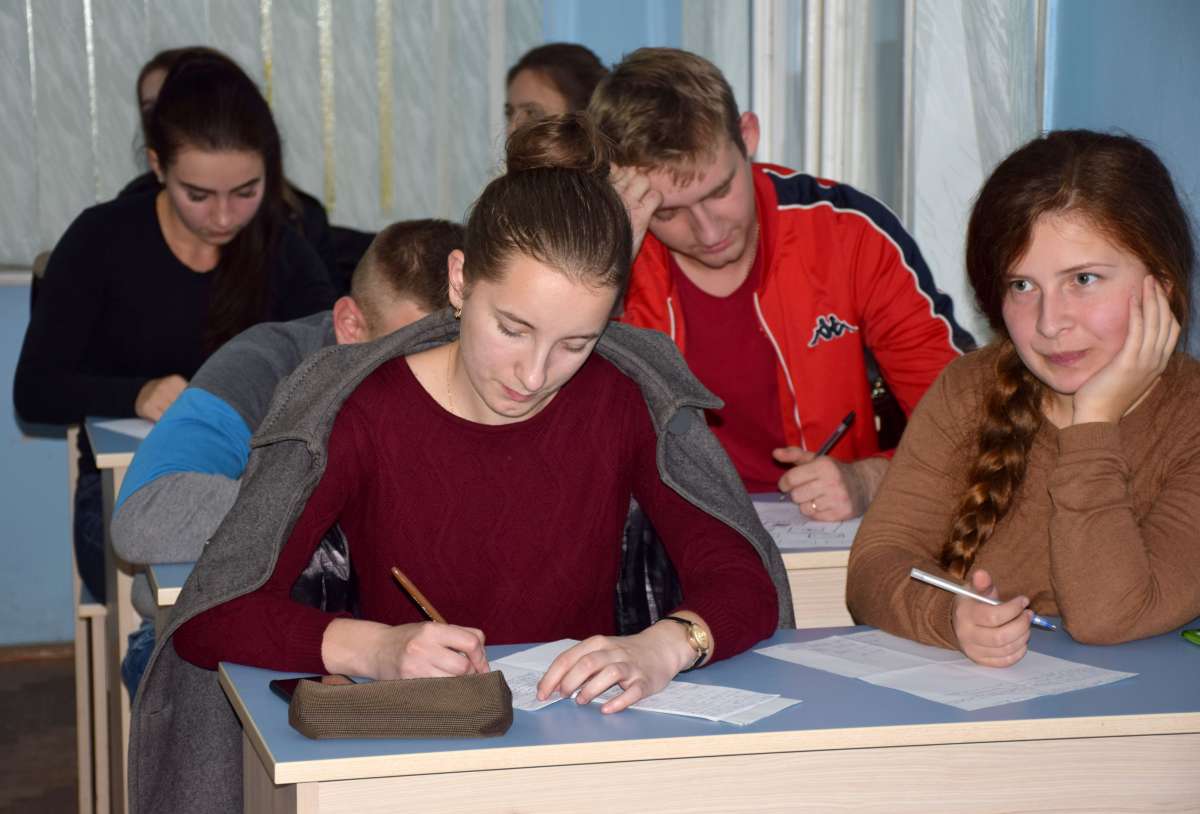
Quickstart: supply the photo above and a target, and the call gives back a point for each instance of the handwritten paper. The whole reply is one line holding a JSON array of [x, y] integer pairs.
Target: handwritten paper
[[523, 684], [523, 670], [943, 676], [137, 427], [793, 531], [537, 658], [860, 654], [706, 701]]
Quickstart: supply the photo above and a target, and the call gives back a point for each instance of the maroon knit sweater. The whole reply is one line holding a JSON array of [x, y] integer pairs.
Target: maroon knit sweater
[[514, 529]]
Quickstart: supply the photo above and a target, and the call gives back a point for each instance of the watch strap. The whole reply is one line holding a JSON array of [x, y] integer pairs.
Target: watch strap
[[701, 652]]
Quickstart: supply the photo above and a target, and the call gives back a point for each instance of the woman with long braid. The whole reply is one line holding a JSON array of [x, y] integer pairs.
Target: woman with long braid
[[1059, 467]]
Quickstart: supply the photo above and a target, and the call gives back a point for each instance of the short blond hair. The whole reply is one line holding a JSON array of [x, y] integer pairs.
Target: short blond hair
[[664, 106]]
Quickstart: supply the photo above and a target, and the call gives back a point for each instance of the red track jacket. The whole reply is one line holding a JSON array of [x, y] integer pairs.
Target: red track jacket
[[841, 276]]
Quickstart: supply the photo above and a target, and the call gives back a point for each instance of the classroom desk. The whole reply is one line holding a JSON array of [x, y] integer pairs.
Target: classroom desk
[[850, 746], [817, 581], [114, 452]]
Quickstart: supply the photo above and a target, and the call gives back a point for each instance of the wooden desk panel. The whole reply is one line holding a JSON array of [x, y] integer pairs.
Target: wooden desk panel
[[817, 580], [1141, 773]]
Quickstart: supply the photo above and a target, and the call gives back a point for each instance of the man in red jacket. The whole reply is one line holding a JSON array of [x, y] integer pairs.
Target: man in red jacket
[[775, 285]]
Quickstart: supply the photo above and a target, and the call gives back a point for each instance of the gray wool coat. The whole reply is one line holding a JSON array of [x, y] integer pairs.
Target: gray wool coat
[[185, 742]]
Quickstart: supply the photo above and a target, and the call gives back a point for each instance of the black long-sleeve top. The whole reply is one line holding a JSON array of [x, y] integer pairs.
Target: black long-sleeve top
[[116, 308]]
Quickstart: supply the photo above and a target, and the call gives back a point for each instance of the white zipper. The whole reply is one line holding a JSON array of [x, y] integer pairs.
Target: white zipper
[[671, 317], [783, 363]]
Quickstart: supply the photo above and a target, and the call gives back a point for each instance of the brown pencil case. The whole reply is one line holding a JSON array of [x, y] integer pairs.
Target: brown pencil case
[[470, 706]]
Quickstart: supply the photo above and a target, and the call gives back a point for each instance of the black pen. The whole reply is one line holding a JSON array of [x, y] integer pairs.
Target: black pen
[[836, 435]]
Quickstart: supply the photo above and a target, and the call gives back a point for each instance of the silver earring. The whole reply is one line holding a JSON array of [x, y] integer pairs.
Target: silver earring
[[458, 313]]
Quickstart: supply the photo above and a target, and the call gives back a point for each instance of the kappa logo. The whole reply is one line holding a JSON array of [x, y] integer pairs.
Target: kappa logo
[[830, 327]]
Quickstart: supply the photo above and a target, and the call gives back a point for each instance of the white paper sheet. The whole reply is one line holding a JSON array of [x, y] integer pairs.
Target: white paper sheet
[[523, 670], [944, 676], [760, 711], [137, 427], [793, 531], [523, 684], [537, 658], [696, 700]]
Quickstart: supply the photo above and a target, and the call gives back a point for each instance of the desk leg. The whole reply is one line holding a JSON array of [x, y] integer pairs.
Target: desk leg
[[261, 796], [122, 620]]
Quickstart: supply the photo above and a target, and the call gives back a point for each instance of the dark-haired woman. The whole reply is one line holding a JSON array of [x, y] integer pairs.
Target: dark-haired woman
[[495, 467], [303, 212], [551, 80], [141, 289], [1058, 468]]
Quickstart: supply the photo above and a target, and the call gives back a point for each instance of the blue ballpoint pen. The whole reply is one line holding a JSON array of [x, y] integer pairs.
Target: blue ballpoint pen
[[954, 587]]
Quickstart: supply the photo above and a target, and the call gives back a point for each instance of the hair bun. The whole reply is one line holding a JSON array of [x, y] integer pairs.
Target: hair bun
[[569, 142]]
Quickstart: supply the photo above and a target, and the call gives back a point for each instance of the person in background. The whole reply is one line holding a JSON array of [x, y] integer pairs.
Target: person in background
[[186, 474], [775, 285], [550, 80], [140, 290], [1058, 468], [491, 455], [303, 212]]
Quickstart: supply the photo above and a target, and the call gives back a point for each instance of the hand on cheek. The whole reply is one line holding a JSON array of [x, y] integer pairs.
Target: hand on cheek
[[991, 635], [1149, 342]]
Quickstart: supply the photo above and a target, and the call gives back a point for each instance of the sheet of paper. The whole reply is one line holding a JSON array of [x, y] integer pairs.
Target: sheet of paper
[[900, 645], [1050, 675], [706, 701], [954, 684], [137, 427], [852, 657], [760, 711], [523, 670], [793, 531], [944, 676], [537, 658], [523, 684]]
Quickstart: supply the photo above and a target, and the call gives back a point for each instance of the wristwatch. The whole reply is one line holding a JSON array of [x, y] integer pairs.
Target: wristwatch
[[697, 638]]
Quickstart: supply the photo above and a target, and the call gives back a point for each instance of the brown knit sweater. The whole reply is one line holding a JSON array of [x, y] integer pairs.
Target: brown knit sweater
[[1104, 531]]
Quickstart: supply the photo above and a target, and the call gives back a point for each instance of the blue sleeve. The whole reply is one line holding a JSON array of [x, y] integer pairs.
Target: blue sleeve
[[198, 433]]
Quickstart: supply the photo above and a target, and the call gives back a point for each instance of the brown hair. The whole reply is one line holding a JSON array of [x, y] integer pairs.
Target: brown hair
[[572, 69], [666, 106], [553, 204], [1121, 188], [406, 260]]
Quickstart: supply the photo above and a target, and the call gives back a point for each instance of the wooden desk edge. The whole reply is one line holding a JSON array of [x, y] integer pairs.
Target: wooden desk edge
[[163, 597], [113, 460], [516, 757], [249, 728], [815, 558]]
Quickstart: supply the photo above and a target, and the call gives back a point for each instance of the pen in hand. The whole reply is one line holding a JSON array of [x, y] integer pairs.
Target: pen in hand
[[836, 435], [954, 587], [415, 594]]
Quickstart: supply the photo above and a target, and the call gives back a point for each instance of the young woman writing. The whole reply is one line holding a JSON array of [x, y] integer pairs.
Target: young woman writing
[[1059, 467], [496, 470]]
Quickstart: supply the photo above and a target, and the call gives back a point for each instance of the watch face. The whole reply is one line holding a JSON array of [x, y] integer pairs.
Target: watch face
[[701, 636]]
